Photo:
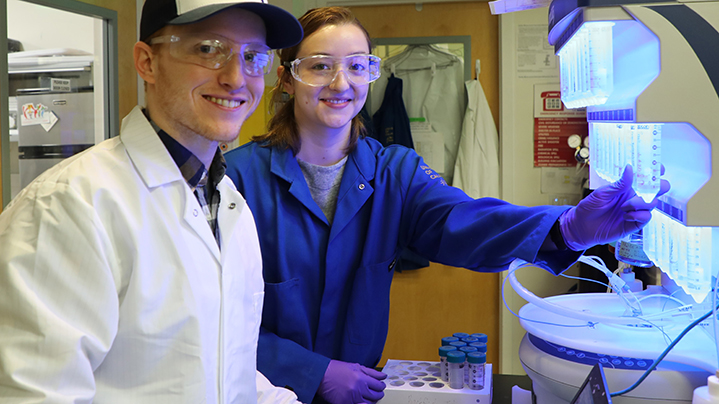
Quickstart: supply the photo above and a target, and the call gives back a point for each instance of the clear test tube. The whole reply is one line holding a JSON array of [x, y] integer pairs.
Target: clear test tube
[[674, 246], [476, 362], [650, 238], [656, 156], [456, 369], [621, 150], [602, 60], [443, 364], [467, 349], [612, 151], [699, 268], [607, 150], [630, 146], [648, 170], [664, 251], [563, 74], [600, 146], [583, 59], [679, 252], [616, 139]]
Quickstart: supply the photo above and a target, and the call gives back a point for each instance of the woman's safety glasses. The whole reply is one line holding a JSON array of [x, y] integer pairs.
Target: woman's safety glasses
[[214, 52], [320, 70]]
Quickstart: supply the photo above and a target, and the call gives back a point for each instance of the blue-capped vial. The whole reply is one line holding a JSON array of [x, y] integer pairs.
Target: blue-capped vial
[[443, 365], [475, 364], [448, 340], [456, 369], [458, 344], [481, 346], [467, 349], [460, 335], [470, 339], [481, 337]]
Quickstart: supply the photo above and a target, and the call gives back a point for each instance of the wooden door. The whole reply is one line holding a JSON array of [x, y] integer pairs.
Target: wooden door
[[431, 303]]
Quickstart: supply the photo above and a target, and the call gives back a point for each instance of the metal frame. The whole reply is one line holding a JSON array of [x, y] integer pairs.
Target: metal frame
[[110, 73]]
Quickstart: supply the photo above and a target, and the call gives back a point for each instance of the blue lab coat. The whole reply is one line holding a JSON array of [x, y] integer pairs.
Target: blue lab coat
[[327, 287]]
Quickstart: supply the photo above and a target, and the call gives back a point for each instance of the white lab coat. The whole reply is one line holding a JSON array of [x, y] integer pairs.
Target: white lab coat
[[113, 288], [477, 168], [434, 94]]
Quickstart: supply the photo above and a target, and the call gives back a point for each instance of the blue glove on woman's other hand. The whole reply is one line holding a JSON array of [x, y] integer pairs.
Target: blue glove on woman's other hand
[[607, 214], [351, 383]]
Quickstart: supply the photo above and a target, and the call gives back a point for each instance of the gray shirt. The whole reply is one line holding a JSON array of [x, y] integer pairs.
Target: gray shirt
[[324, 184]]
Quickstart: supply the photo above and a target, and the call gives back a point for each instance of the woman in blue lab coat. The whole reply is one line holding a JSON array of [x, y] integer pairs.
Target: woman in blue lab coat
[[334, 211]]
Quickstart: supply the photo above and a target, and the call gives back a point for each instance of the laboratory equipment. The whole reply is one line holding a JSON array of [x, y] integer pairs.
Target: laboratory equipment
[[648, 74], [480, 336], [475, 365], [420, 382], [456, 360], [594, 390], [708, 394], [443, 364]]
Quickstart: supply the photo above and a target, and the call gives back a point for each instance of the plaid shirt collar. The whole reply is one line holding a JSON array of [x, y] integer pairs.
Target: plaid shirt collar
[[191, 168], [202, 183]]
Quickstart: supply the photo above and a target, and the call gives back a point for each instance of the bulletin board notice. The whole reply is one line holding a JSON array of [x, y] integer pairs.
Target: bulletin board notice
[[553, 125]]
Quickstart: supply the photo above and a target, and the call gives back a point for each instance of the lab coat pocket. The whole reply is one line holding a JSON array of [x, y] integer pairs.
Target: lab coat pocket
[[368, 310], [285, 312]]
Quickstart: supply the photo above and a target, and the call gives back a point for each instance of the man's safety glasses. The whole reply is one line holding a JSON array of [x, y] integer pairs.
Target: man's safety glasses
[[320, 70], [214, 52]]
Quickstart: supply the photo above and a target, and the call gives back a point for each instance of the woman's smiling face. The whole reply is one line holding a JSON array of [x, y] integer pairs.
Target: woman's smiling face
[[318, 109]]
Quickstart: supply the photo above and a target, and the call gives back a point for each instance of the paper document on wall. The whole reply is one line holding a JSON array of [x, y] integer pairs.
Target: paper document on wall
[[428, 144]]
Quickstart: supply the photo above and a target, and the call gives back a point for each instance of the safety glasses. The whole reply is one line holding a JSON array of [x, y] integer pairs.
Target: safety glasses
[[320, 70], [213, 52]]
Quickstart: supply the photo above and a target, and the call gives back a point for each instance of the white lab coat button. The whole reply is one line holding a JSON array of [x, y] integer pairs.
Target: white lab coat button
[[361, 186], [194, 212], [232, 205]]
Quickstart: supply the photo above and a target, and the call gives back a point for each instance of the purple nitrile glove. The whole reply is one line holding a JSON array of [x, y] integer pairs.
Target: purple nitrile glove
[[607, 214], [351, 383]]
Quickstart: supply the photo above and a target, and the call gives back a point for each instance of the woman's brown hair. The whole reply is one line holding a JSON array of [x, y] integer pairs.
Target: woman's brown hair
[[282, 128]]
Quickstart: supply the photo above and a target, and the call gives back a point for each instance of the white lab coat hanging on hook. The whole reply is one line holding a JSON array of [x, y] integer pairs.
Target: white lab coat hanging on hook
[[436, 94], [477, 168]]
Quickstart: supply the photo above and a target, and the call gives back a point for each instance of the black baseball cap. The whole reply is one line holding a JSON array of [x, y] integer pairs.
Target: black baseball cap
[[283, 29]]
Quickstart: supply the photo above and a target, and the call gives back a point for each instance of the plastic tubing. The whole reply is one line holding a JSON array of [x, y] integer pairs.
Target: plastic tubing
[[530, 297], [660, 296]]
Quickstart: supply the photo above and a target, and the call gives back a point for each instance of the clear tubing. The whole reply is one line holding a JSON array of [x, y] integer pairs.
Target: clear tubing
[[530, 297]]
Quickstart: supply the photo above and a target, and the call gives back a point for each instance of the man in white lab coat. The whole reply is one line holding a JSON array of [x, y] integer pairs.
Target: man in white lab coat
[[131, 273]]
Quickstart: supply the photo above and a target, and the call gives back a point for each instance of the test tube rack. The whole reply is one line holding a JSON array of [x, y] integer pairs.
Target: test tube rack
[[420, 382]]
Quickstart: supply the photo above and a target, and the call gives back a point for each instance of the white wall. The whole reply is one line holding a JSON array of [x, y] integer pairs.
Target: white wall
[[520, 180], [40, 27]]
